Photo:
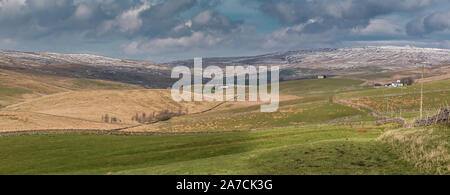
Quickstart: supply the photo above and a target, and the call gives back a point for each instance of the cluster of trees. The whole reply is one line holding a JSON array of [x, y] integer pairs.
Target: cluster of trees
[[408, 81], [163, 115], [110, 119]]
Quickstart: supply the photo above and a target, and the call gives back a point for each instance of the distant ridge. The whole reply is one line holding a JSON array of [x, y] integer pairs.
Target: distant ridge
[[385, 56], [143, 73], [294, 64]]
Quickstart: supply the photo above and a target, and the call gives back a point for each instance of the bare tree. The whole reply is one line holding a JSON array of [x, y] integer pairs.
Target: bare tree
[[162, 115], [106, 118], [110, 119]]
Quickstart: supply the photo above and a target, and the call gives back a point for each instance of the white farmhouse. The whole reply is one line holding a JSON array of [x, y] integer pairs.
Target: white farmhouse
[[396, 84]]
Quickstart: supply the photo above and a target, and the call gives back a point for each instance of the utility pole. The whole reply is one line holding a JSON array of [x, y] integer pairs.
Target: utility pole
[[401, 105], [421, 92]]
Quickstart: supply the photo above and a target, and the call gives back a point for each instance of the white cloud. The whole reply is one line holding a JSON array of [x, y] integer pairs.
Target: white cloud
[[83, 12], [203, 18], [130, 21], [12, 5], [188, 23], [127, 22], [378, 27], [293, 37], [182, 26], [131, 48], [159, 46]]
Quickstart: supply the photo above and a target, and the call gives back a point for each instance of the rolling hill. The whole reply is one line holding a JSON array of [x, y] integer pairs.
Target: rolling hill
[[86, 66], [59, 104], [341, 62], [369, 63], [94, 105], [16, 87]]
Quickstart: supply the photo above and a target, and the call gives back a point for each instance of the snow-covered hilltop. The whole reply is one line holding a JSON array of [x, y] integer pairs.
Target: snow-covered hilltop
[[137, 72], [387, 57], [84, 59], [295, 64], [382, 58]]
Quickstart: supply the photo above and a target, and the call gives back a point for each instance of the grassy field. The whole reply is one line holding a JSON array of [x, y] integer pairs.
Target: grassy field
[[305, 150], [438, 85], [315, 113], [235, 108], [314, 86], [6, 93], [406, 102], [296, 140]]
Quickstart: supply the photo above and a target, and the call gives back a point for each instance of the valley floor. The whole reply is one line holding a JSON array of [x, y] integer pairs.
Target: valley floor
[[316, 134]]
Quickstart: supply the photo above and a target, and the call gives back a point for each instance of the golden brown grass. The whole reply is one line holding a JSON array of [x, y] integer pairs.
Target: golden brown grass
[[122, 104], [85, 99], [40, 85], [20, 121]]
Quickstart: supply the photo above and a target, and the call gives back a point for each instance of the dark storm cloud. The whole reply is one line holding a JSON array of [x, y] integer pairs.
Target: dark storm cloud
[[32, 19], [163, 17], [432, 23], [344, 14], [36, 18], [211, 20], [167, 28]]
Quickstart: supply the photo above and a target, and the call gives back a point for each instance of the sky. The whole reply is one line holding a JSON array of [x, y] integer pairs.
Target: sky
[[166, 30]]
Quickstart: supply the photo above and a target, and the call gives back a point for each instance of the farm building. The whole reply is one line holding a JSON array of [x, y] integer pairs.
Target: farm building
[[398, 83]]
